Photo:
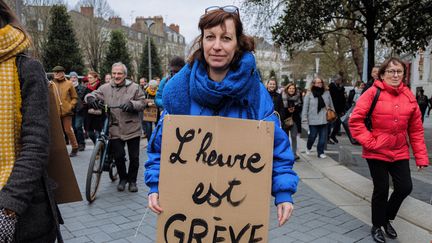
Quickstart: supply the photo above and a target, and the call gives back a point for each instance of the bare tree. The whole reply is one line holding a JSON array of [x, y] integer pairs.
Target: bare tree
[[93, 33], [35, 17]]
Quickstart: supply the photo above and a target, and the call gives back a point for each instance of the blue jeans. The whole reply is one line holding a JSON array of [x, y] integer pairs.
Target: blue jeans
[[148, 128], [78, 125], [321, 132]]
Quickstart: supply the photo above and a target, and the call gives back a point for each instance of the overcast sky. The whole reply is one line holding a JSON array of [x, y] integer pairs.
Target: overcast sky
[[185, 13]]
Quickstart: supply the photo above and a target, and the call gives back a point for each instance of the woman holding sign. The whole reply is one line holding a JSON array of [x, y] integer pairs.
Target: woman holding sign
[[221, 79]]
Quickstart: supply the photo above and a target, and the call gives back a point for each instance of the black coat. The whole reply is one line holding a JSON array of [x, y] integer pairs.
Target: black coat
[[28, 191], [337, 94]]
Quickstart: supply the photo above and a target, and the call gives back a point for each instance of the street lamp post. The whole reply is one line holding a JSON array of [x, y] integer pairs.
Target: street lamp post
[[317, 55], [149, 23]]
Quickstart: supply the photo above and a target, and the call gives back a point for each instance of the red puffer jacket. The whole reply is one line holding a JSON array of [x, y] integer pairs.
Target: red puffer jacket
[[395, 118]]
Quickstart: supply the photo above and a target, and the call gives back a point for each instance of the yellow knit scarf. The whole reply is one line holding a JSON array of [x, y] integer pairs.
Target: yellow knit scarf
[[12, 42], [151, 92]]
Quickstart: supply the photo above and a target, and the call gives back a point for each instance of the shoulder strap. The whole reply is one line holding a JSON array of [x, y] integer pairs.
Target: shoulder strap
[[377, 94]]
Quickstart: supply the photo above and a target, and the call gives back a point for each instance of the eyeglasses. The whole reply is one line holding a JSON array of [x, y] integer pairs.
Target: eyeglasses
[[393, 72], [228, 8]]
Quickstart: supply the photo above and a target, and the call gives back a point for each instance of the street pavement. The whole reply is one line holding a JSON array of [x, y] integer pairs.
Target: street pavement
[[115, 216], [332, 203], [422, 181]]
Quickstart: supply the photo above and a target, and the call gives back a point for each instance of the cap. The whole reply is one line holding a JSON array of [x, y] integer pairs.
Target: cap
[[73, 74], [58, 69]]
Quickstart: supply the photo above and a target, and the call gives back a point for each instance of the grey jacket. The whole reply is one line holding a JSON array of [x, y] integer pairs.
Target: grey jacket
[[124, 125], [310, 106], [28, 191]]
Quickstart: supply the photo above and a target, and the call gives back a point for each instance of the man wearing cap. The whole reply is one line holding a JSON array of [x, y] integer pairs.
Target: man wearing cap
[[66, 101]]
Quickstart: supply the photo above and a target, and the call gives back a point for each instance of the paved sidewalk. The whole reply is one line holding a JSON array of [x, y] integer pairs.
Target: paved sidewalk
[[413, 223], [114, 216], [422, 181]]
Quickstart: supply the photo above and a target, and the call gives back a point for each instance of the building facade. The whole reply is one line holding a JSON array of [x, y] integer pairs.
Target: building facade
[[93, 34]]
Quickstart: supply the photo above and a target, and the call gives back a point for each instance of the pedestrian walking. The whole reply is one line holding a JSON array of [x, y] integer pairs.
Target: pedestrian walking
[[272, 88], [395, 119], [221, 78], [429, 106], [292, 109], [150, 94], [79, 111], [94, 117], [337, 93], [316, 103], [66, 98], [422, 101], [125, 127], [28, 212]]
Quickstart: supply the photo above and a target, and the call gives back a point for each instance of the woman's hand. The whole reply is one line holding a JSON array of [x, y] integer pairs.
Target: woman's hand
[[284, 211], [421, 167], [153, 203]]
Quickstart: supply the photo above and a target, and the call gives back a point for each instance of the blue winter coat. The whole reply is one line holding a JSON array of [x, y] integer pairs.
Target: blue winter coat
[[284, 179]]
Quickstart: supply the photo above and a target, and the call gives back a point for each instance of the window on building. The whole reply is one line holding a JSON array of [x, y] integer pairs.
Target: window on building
[[40, 25]]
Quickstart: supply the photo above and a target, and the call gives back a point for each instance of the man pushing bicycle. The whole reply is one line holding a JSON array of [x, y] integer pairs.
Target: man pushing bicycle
[[125, 125]]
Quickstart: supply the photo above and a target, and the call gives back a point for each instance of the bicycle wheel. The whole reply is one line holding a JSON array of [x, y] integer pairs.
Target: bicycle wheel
[[94, 171], [113, 173]]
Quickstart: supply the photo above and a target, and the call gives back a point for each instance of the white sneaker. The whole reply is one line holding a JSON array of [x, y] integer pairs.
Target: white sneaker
[[322, 156], [308, 152]]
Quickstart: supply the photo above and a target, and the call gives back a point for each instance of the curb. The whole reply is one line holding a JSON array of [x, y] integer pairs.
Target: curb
[[412, 210]]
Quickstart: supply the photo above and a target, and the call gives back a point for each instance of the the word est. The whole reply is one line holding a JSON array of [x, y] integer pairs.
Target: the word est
[[212, 193], [213, 158], [199, 231]]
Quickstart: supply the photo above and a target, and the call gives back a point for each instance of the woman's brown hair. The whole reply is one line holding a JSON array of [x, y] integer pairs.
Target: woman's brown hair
[[215, 18], [7, 16], [289, 85], [93, 74]]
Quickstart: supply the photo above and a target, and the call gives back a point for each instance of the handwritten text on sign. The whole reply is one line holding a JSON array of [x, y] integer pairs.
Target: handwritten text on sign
[[215, 179]]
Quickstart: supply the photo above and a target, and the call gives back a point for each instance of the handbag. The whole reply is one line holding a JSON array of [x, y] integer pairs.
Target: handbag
[[289, 122], [92, 111], [345, 124], [331, 115]]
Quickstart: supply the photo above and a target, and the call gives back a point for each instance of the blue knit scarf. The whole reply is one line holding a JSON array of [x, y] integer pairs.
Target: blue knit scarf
[[239, 87]]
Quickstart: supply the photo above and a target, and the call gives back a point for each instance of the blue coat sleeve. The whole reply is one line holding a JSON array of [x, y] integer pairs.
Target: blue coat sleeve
[[158, 98], [284, 178], [152, 166]]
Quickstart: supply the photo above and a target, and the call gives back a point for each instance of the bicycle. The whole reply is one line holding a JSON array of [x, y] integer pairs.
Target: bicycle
[[101, 159]]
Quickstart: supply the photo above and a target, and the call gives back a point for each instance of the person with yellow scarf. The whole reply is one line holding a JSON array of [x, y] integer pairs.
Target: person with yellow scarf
[[26, 212], [150, 94]]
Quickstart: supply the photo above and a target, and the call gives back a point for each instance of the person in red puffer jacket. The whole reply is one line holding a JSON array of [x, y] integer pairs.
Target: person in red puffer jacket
[[395, 118]]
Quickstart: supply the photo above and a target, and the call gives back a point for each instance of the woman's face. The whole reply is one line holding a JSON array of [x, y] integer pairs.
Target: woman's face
[[318, 83], [271, 85], [393, 74], [219, 46], [291, 90], [91, 79]]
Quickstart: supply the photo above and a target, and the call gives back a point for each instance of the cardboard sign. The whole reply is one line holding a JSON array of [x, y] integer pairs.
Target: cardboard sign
[[150, 114], [59, 164], [215, 179]]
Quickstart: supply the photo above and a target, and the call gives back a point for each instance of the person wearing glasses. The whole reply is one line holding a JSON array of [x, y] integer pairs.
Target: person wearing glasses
[[315, 105], [396, 118], [221, 79]]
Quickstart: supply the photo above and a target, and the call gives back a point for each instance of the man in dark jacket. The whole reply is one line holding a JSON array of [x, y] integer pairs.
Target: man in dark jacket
[[337, 93]]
